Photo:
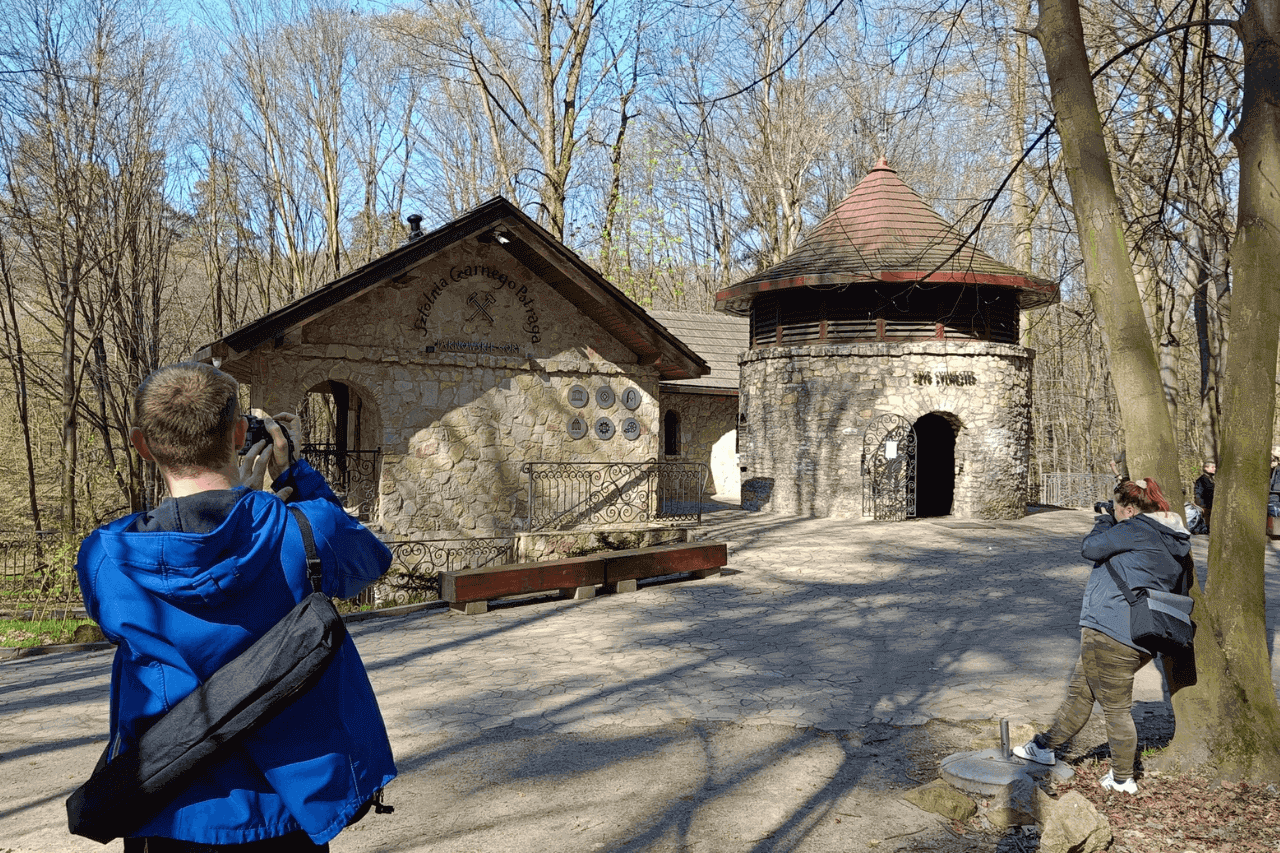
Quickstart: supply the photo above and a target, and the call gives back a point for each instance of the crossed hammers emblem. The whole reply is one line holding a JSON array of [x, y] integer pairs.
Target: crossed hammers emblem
[[481, 305]]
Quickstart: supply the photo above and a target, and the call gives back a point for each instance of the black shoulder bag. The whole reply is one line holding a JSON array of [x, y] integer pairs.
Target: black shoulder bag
[[123, 794], [1159, 621]]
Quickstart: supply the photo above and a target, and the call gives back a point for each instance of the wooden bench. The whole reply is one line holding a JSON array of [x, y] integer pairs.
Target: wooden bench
[[699, 559], [470, 590]]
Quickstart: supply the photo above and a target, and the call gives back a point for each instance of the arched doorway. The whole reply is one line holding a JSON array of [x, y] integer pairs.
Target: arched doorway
[[337, 429], [935, 465]]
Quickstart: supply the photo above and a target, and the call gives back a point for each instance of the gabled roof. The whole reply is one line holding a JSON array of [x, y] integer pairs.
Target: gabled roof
[[526, 241], [885, 232], [718, 338]]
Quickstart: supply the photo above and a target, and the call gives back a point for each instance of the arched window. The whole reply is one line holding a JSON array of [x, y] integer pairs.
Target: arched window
[[671, 433]]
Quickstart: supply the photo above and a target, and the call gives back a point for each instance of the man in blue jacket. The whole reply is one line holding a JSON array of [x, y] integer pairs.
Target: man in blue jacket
[[186, 587]]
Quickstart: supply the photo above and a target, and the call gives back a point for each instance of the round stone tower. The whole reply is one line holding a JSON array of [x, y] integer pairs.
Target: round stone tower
[[885, 376]]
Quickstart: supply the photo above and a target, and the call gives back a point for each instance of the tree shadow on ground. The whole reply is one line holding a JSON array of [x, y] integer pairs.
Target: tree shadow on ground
[[932, 610], [651, 729]]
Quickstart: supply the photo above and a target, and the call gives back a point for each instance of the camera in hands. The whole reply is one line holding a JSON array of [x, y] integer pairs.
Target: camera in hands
[[257, 431]]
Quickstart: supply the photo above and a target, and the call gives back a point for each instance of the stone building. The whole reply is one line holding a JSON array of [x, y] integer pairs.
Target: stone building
[[884, 375], [434, 376], [699, 417]]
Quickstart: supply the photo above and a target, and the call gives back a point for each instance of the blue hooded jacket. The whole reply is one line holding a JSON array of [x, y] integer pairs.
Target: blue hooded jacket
[[1148, 551], [187, 587]]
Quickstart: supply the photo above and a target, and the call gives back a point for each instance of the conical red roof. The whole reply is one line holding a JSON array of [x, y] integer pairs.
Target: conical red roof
[[885, 232]]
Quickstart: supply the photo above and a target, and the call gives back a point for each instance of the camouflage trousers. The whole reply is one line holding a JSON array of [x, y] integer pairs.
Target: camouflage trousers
[[1104, 673]]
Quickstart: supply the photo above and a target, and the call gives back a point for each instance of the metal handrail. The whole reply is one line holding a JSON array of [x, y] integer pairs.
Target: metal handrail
[[583, 495], [1075, 490]]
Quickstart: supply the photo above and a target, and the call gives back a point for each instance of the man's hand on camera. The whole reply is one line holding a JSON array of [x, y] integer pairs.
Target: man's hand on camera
[[281, 458], [269, 461], [253, 465]]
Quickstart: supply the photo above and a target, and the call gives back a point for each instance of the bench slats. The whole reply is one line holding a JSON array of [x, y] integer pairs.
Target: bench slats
[[520, 578], [658, 560], [610, 568]]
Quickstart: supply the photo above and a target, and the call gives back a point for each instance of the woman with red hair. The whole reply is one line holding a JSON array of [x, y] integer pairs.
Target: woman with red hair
[[1149, 547]]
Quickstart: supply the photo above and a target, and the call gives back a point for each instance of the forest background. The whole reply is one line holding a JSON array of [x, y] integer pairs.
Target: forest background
[[169, 174]]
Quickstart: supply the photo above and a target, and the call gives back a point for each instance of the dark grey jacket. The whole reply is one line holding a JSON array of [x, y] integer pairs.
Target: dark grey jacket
[[1149, 551]]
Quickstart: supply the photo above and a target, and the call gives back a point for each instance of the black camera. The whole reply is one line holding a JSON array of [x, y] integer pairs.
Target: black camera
[[257, 431], [1108, 507]]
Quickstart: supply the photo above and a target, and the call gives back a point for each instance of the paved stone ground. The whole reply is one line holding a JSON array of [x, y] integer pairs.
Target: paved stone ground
[[719, 714]]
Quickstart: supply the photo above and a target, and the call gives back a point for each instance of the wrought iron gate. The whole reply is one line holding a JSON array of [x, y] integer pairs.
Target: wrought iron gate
[[889, 469], [352, 474]]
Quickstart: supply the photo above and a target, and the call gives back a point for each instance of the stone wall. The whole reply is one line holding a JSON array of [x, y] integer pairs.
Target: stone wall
[[465, 368], [805, 410], [707, 434]]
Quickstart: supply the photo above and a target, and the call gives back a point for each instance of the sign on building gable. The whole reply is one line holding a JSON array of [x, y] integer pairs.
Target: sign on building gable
[[474, 300]]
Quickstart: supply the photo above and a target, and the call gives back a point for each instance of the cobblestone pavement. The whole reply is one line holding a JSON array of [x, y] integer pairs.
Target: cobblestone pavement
[[815, 623]]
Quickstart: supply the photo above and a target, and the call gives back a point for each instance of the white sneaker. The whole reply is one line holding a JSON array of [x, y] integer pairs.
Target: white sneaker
[[1128, 786], [1033, 751]]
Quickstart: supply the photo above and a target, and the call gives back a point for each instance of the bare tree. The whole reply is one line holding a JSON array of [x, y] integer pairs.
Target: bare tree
[[1228, 719], [542, 72], [1225, 700], [84, 153]]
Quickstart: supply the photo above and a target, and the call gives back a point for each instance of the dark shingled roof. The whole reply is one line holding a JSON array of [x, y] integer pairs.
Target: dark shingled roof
[[719, 338], [527, 242], [885, 232]]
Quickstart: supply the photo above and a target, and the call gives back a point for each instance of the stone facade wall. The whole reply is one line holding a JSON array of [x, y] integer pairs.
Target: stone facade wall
[[707, 434], [465, 366], [805, 410]]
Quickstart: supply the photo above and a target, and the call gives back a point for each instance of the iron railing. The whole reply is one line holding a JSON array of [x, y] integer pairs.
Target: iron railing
[[416, 565], [352, 474], [38, 569], [583, 495], [1075, 490]]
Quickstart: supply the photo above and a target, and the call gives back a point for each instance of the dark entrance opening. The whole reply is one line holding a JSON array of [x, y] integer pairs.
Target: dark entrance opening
[[335, 431], [935, 466]]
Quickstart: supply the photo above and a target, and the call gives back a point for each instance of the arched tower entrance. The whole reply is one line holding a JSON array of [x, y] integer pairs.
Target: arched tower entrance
[[935, 465]]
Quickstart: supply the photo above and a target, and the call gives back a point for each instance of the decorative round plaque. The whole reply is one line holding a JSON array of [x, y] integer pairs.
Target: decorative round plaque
[[577, 428], [631, 429], [605, 397], [631, 398], [605, 429], [578, 396]]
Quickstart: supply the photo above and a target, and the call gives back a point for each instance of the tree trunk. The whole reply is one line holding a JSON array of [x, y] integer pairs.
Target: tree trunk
[[70, 400], [18, 365], [1228, 718], [1109, 274]]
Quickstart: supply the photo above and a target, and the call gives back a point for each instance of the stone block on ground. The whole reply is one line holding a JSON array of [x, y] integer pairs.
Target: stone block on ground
[[1073, 825], [940, 798], [1026, 805], [87, 634]]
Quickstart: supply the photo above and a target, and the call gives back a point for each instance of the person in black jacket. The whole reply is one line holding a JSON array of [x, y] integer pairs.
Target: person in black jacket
[[1204, 492], [1148, 546]]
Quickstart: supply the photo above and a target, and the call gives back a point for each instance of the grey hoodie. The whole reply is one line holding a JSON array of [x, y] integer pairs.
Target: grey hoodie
[[1150, 551]]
